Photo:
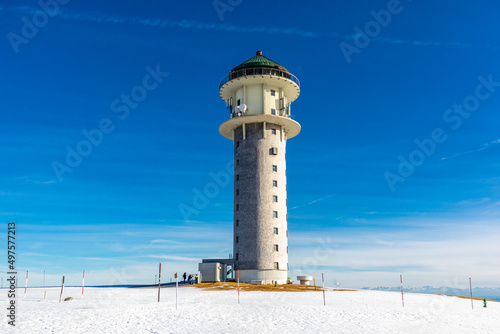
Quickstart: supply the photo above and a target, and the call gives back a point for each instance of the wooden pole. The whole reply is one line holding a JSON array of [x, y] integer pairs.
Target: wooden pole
[[45, 294], [238, 274], [62, 290], [471, 300], [402, 296], [323, 279], [176, 288], [159, 283], [314, 283]]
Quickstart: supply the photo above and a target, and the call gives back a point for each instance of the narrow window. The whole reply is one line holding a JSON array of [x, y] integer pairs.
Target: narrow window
[[273, 111], [238, 103], [275, 198], [237, 207], [237, 222], [275, 168], [237, 239], [275, 213], [237, 144], [237, 177], [275, 230], [275, 248], [273, 92], [237, 162], [237, 192], [236, 257], [276, 266], [275, 183], [273, 131]]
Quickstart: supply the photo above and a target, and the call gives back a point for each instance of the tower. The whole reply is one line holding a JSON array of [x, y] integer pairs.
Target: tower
[[258, 94]]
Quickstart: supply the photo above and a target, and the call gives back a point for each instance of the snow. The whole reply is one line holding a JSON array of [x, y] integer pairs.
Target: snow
[[125, 310]]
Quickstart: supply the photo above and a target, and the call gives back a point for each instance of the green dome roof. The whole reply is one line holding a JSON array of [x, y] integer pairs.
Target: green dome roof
[[259, 61]]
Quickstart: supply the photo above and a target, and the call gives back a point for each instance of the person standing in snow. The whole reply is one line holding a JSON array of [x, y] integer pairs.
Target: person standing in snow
[[196, 279], [184, 276], [190, 278]]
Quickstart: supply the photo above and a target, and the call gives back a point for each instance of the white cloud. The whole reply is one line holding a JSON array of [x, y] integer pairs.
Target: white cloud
[[176, 258], [482, 148], [434, 256], [162, 23]]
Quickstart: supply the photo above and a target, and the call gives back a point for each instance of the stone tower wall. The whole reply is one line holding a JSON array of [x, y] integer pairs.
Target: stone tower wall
[[254, 222]]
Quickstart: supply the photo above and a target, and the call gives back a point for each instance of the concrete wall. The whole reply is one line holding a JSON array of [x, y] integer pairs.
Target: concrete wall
[[259, 99], [212, 272], [266, 276], [253, 199]]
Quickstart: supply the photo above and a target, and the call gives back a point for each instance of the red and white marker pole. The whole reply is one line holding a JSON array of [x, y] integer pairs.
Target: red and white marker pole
[[470, 285], [83, 282], [402, 295], [238, 275], [26, 286]]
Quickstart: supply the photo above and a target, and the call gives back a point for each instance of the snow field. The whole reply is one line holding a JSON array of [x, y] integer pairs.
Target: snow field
[[122, 310]]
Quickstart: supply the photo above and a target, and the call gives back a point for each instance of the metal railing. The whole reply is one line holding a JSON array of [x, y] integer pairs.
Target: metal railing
[[234, 114], [254, 71]]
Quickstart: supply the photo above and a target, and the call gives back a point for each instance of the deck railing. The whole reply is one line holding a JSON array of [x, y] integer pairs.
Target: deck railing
[[254, 71]]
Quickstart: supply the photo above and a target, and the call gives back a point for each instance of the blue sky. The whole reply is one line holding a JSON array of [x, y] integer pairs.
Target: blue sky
[[370, 91]]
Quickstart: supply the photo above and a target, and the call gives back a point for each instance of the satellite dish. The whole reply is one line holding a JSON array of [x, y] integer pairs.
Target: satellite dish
[[242, 107]]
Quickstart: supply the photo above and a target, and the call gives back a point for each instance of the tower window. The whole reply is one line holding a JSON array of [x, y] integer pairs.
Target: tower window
[[275, 247], [275, 183], [274, 151], [275, 230], [238, 103], [237, 162], [276, 265], [275, 168], [273, 131], [237, 207], [237, 222], [275, 213], [237, 177], [237, 192], [236, 257], [273, 111], [237, 144], [273, 92], [237, 239], [275, 198]]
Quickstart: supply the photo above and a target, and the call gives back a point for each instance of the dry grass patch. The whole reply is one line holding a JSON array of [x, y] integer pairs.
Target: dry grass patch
[[263, 287], [475, 298]]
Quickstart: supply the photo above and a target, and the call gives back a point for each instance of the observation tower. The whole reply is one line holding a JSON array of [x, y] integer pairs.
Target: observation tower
[[258, 94]]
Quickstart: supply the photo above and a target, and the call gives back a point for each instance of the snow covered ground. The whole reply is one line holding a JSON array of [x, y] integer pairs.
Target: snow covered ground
[[123, 310]]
